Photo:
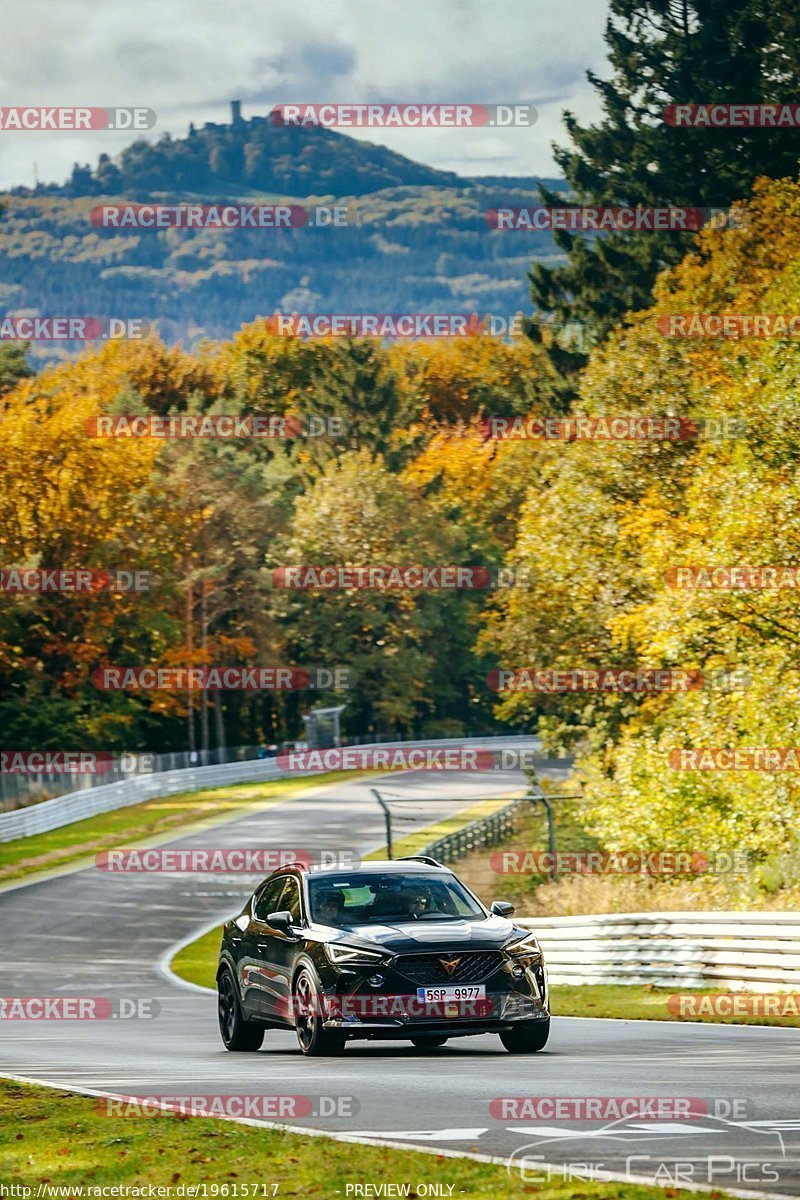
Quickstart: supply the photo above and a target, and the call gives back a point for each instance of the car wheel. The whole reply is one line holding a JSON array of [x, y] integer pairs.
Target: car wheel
[[428, 1043], [312, 1039], [237, 1032], [527, 1037]]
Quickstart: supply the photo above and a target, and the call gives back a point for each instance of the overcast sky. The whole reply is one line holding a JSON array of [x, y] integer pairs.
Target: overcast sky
[[188, 60]]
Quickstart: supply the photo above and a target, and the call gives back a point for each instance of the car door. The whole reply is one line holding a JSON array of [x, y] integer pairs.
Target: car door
[[254, 971], [278, 950]]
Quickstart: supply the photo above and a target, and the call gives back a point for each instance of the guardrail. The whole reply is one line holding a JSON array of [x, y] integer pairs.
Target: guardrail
[[756, 951], [77, 806], [485, 831]]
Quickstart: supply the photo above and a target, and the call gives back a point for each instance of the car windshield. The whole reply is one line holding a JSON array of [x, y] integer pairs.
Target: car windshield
[[345, 900]]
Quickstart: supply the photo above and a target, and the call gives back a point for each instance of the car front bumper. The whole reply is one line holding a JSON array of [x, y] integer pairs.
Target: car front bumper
[[376, 1014]]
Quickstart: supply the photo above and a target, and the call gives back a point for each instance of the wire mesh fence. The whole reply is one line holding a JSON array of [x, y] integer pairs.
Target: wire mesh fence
[[485, 831], [406, 811], [32, 787]]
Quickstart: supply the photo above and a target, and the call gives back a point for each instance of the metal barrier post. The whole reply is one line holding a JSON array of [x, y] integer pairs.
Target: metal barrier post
[[387, 814], [551, 828]]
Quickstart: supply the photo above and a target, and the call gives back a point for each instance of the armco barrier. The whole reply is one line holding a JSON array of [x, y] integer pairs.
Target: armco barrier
[[76, 806], [735, 951]]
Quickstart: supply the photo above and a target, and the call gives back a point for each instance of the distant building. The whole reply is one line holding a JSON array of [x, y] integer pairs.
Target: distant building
[[236, 119]]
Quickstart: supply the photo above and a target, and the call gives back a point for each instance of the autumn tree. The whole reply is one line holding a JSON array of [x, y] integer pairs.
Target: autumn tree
[[664, 52], [612, 524]]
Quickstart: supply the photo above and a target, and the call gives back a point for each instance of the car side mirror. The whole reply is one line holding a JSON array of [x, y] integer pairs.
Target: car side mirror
[[502, 908], [282, 921]]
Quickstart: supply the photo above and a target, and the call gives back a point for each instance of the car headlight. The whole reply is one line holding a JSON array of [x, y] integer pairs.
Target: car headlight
[[337, 953], [526, 947]]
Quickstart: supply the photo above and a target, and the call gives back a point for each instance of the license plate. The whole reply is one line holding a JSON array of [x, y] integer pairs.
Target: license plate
[[435, 995]]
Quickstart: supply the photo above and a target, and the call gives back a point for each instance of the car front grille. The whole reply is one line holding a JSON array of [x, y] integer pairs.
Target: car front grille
[[470, 967]]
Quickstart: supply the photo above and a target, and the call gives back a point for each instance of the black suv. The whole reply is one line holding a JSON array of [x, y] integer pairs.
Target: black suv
[[397, 949]]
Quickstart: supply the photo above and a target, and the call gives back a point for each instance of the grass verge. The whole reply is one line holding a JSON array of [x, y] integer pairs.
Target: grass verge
[[197, 962], [151, 818], [63, 1140], [646, 1003]]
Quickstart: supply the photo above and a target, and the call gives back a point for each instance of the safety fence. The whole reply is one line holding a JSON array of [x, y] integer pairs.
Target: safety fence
[[483, 832], [35, 787]]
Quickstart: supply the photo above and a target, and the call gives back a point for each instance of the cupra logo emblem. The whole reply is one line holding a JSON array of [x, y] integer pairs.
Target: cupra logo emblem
[[450, 964]]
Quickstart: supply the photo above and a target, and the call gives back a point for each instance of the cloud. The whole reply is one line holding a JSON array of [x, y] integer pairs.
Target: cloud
[[188, 61]]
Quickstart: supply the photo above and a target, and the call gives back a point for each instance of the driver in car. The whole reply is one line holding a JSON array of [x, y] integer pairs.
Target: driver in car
[[329, 908], [420, 902]]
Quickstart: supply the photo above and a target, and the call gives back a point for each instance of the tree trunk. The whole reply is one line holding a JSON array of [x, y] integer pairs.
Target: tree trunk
[[219, 725], [204, 730], [189, 648]]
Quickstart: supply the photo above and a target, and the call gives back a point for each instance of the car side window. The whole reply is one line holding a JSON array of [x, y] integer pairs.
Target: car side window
[[290, 900], [267, 901]]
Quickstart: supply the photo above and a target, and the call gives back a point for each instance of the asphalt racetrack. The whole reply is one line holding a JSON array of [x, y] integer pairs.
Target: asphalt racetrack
[[95, 933]]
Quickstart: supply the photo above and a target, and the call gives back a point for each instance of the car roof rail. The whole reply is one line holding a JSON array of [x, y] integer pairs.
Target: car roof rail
[[425, 858], [296, 864]]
